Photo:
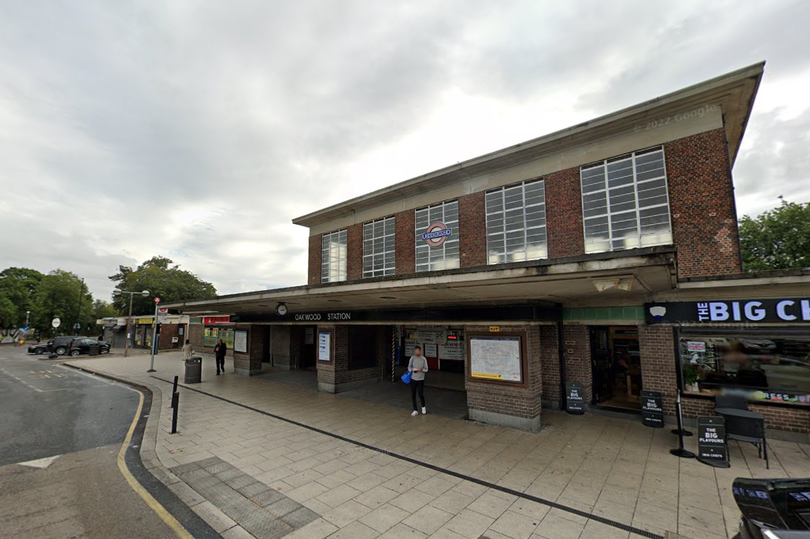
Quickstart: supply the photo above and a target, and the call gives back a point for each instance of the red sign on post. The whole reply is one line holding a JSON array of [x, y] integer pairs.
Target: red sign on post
[[216, 320], [157, 300]]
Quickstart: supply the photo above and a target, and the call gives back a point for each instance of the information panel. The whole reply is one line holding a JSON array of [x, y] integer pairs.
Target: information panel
[[652, 409], [574, 398], [496, 358], [712, 448], [324, 346], [240, 341]]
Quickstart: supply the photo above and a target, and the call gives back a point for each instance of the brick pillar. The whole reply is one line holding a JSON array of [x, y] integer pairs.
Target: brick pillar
[[658, 363], [405, 250], [577, 354], [315, 256], [472, 222], [354, 252], [564, 214], [250, 363], [280, 354], [509, 405], [550, 365]]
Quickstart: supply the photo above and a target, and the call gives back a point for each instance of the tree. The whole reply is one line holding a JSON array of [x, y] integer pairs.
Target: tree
[[162, 279], [103, 309], [776, 239], [17, 290], [61, 293]]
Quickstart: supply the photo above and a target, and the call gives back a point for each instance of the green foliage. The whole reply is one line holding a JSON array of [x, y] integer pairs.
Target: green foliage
[[17, 289], [776, 239], [162, 279], [58, 295]]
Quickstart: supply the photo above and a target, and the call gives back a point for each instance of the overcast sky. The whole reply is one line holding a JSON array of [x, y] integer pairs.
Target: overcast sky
[[197, 130]]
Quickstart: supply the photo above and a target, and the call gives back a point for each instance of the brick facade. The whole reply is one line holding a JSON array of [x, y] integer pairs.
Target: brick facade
[[472, 223], [701, 200], [405, 241], [516, 401], [657, 349], [335, 376], [577, 355], [566, 236], [250, 362], [354, 252], [315, 256], [550, 365]]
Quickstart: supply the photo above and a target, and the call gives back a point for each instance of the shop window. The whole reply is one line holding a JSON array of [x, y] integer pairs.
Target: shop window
[[378, 248], [762, 366], [333, 261], [516, 223], [362, 347], [211, 334], [437, 237], [625, 203]]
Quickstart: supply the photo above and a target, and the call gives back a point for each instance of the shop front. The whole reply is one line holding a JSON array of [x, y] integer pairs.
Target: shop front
[[755, 348]]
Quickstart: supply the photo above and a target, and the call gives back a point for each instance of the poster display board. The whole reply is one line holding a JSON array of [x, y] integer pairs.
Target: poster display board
[[325, 346], [496, 358], [452, 351], [240, 341], [652, 409], [712, 449], [574, 398], [210, 336], [431, 336]]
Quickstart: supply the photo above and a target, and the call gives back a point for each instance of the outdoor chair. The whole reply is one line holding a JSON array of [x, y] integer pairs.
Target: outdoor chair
[[751, 430]]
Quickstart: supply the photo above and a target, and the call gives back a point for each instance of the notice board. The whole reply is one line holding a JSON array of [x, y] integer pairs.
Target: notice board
[[496, 358], [240, 341], [652, 409], [712, 449]]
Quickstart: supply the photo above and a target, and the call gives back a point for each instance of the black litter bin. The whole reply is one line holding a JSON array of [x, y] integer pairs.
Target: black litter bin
[[193, 370]]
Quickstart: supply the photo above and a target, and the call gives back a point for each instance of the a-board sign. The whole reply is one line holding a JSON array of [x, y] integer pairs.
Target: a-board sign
[[712, 449], [574, 398], [652, 409]]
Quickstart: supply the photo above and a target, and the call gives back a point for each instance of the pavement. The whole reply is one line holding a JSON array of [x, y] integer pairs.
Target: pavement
[[315, 465], [63, 435]]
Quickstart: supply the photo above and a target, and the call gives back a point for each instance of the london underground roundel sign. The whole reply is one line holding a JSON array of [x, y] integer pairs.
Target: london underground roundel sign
[[436, 234]]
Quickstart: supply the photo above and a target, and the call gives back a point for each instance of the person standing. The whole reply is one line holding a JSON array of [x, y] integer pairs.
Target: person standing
[[219, 353], [187, 351], [418, 367]]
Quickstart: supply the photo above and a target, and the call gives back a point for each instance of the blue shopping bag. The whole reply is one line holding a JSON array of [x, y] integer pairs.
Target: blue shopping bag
[[407, 377]]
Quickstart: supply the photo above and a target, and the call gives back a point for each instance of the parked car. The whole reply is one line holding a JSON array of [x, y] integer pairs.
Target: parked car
[[61, 345], [83, 345], [773, 508], [38, 349]]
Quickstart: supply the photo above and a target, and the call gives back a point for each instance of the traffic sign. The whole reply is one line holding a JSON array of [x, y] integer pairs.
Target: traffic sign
[[163, 310], [157, 300], [56, 322], [77, 326]]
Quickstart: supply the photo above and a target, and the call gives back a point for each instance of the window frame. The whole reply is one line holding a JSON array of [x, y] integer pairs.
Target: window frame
[[326, 267], [389, 265], [525, 229], [608, 215]]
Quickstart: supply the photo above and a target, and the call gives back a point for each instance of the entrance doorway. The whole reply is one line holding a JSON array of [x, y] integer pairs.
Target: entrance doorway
[[616, 366], [307, 347]]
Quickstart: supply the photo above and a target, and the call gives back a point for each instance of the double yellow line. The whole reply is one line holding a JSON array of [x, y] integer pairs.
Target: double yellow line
[[161, 511]]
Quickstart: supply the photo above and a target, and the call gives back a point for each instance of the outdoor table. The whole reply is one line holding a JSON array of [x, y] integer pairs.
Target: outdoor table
[[736, 412]]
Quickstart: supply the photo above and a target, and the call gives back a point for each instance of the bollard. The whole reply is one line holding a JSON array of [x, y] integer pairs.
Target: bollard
[[680, 451], [174, 390], [175, 407]]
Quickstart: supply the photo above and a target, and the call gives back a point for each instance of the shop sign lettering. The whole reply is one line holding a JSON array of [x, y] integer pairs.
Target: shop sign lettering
[[318, 317], [764, 310]]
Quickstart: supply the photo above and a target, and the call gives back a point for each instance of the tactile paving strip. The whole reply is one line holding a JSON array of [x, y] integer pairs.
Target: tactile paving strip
[[264, 512]]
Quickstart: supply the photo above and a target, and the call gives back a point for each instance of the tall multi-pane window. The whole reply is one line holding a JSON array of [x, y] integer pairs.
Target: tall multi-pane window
[[333, 261], [437, 237], [378, 248], [625, 203], [516, 223]]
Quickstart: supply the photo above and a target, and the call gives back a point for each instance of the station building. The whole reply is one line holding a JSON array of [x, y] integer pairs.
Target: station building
[[605, 255]]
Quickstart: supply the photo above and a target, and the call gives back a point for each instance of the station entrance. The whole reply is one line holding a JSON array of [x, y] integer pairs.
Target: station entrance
[[616, 366]]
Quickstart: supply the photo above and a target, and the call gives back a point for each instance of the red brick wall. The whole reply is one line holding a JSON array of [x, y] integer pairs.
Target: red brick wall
[[550, 364], [472, 223], [167, 331], [315, 256], [405, 240], [701, 199], [564, 214], [577, 355], [354, 263], [510, 400], [658, 364], [337, 372]]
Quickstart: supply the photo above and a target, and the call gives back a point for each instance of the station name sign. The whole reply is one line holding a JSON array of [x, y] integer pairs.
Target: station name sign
[[322, 317], [787, 310]]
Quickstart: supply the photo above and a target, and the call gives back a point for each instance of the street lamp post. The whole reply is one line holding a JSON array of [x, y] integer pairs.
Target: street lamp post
[[27, 313], [154, 336], [118, 292]]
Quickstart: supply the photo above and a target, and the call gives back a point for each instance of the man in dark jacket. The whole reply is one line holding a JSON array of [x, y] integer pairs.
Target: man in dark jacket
[[219, 353]]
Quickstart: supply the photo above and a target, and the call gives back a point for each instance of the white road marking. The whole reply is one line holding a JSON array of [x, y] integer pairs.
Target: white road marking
[[40, 463]]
